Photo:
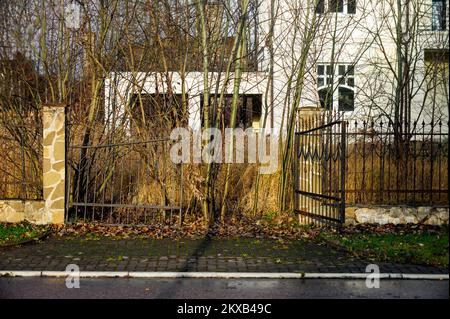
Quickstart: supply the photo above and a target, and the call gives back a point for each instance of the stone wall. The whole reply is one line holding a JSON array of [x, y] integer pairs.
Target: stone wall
[[50, 210], [397, 215], [13, 211]]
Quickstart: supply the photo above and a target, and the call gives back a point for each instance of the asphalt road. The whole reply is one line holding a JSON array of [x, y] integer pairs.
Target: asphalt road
[[121, 288]]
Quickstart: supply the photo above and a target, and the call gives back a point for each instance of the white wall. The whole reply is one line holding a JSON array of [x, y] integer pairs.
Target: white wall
[[120, 86]]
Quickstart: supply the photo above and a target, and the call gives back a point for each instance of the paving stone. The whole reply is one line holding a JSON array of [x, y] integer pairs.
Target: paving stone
[[224, 255]]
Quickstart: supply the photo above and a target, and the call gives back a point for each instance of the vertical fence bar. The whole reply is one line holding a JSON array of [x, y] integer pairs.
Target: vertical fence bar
[[355, 164], [23, 182], [431, 163], [415, 165], [405, 175], [181, 196], [382, 163], [423, 160], [343, 157], [296, 173], [439, 160], [372, 146]]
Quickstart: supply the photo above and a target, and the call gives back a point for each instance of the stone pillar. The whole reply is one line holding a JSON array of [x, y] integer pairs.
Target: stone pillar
[[54, 162]]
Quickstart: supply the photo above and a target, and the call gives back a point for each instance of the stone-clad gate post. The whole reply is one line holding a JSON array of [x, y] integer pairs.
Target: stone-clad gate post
[[53, 166]]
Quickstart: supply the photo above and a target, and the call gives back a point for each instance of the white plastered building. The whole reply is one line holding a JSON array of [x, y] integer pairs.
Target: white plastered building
[[353, 54]]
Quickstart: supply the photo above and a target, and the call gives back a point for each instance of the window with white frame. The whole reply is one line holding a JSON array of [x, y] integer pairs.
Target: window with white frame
[[344, 80], [336, 6], [324, 81]]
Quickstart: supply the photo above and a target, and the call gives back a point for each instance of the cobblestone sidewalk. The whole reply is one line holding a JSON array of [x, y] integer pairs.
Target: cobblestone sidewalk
[[215, 255]]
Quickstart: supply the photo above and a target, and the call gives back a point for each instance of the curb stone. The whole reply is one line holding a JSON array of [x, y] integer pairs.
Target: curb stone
[[221, 275]]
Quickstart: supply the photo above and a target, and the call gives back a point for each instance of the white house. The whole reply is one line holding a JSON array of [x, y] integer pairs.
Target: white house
[[352, 57]]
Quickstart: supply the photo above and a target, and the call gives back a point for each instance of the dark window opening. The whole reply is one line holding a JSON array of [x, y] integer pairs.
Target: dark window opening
[[248, 111], [320, 6], [321, 69], [336, 5], [351, 82], [439, 15], [438, 56], [351, 6], [329, 70], [351, 70], [326, 98], [157, 111], [346, 99], [320, 82]]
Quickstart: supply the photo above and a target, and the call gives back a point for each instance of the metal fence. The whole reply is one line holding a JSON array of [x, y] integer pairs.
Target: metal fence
[[385, 167], [20, 164], [133, 182]]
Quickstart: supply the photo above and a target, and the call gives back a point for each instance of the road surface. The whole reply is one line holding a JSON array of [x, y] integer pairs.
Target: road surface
[[114, 288]]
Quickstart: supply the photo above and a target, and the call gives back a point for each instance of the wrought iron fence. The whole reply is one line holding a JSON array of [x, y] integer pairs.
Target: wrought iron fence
[[20, 164], [132, 182], [385, 166]]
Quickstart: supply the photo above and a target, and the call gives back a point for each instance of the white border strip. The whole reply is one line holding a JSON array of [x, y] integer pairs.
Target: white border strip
[[220, 275]]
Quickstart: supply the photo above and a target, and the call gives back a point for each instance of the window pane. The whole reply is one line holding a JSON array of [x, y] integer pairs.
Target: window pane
[[342, 70], [256, 108], [336, 5], [320, 70], [346, 99], [320, 8], [342, 80], [350, 70], [329, 80], [155, 110], [444, 15], [326, 98], [329, 70], [249, 109], [351, 6], [351, 82], [320, 82], [438, 15]]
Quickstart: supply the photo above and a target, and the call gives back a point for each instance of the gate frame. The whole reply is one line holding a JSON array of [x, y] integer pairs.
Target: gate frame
[[296, 174]]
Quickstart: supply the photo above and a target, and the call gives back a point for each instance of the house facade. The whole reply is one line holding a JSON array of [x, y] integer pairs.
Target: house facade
[[365, 59]]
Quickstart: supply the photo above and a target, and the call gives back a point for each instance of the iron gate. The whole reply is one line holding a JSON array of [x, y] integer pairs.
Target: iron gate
[[123, 183], [319, 174]]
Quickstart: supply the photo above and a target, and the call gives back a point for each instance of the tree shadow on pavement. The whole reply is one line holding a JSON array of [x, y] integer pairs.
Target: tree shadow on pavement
[[188, 266]]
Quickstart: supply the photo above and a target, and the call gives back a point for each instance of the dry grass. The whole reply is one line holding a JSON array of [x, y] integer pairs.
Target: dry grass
[[375, 177], [20, 171]]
